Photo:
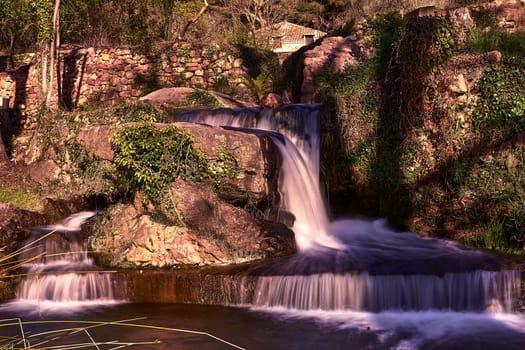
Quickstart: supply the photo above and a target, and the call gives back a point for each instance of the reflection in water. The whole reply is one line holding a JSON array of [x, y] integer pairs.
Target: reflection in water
[[278, 328]]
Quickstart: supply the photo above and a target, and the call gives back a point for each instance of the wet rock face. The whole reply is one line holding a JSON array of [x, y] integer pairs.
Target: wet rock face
[[200, 229], [14, 225]]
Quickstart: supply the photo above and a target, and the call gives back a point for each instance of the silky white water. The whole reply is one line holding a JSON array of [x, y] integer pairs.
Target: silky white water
[[64, 275], [298, 143], [357, 264]]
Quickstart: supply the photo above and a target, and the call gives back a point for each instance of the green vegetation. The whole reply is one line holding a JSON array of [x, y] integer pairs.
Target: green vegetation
[[21, 196], [510, 44], [149, 159], [201, 99], [392, 131], [502, 99], [495, 179]]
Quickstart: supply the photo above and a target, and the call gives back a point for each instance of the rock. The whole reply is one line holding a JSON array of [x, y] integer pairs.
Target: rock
[[459, 85], [251, 151], [14, 225], [255, 160], [493, 56], [208, 232], [272, 100], [334, 55], [97, 140], [229, 102], [44, 171], [180, 94], [201, 208], [131, 238], [462, 22]]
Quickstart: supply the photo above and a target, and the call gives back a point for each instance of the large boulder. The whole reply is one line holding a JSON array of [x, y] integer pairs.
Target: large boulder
[[208, 232], [257, 159]]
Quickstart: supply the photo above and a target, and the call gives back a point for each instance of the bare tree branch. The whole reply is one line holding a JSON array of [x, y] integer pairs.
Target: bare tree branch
[[182, 34]]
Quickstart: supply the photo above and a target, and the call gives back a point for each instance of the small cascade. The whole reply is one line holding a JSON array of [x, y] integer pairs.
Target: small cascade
[[63, 272], [469, 291]]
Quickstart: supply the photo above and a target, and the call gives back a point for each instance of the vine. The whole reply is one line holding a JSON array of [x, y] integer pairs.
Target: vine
[[44, 12], [502, 103]]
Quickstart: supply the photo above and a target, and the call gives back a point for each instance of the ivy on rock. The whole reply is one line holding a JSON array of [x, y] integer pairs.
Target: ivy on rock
[[150, 158]]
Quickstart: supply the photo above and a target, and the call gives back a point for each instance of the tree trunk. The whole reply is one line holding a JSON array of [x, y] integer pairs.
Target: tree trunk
[[193, 20], [53, 48], [12, 51], [45, 61]]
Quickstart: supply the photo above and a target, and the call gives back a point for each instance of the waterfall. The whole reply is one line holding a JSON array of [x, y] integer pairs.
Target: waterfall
[[351, 264], [298, 145], [63, 272], [469, 291]]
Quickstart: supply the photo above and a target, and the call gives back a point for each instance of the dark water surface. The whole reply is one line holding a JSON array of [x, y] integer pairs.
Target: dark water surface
[[258, 329]]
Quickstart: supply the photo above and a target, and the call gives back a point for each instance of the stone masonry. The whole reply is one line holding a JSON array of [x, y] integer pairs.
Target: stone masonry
[[110, 75]]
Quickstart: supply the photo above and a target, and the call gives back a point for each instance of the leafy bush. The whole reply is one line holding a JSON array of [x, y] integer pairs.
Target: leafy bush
[[149, 159]]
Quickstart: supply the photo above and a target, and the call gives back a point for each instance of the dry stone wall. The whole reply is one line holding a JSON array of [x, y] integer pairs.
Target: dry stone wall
[[88, 75]]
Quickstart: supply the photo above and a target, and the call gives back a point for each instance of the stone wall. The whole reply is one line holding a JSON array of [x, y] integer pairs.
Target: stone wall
[[111, 75]]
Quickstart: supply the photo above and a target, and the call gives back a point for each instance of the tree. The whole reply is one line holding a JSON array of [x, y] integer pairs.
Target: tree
[[48, 16], [16, 23], [193, 20], [256, 13]]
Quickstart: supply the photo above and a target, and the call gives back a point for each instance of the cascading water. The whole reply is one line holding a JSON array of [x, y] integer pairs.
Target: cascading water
[[298, 144], [63, 273], [357, 264]]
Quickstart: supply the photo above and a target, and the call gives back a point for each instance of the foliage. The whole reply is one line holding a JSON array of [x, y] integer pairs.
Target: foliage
[[44, 14], [386, 30], [149, 159], [510, 44], [20, 196], [263, 70], [16, 24], [141, 112], [258, 85], [502, 101], [484, 19], [202, 99]]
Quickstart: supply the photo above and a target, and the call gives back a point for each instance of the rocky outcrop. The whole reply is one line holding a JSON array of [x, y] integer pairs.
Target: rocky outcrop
[[257, 160], [199, 223], [208, 231], [250, 150]]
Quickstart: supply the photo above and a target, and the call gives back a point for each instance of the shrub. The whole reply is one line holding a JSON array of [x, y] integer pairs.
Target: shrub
[[149, 159]]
